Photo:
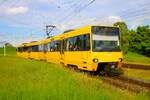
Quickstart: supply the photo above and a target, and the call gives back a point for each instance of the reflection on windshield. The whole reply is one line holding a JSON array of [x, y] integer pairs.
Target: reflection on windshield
[[107, 31], [99, 45]]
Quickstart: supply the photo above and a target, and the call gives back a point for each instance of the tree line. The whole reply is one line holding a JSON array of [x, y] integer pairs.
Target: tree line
[[137, 40]]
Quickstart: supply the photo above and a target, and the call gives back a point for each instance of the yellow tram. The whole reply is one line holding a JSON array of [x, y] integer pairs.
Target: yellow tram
[[89, 48]]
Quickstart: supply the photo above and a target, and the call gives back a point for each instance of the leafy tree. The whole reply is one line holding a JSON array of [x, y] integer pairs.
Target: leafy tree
[[140, 40], [124, 35]]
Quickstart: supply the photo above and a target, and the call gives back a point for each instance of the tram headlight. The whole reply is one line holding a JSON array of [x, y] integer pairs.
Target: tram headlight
[[112, 66], [120, 59], [95, 60]]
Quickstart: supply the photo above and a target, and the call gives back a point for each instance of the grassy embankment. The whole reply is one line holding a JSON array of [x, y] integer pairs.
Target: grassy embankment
[[137, 73], [135, 58], [24, 79]]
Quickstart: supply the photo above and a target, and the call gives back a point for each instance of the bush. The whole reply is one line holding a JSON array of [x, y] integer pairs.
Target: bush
[[139, 40]]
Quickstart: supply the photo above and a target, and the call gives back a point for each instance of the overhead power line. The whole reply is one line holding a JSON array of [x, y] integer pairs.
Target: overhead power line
[[138, 15], [74, 13], [86, 5], [80, 9], [71, 10], [134, 11]]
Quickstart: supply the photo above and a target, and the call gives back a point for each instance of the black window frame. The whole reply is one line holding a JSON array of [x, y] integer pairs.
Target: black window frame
[[96, 29], [35, 48], [67, 46], [54, 46]]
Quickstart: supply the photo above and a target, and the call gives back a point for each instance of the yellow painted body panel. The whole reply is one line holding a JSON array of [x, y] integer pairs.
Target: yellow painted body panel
[[22, 54], [73, 58], [25, 54], [107, 56], [103, 57], [84, 59], [78, 58], [53, 57], [34, 55], [41, 55], [19, 54]]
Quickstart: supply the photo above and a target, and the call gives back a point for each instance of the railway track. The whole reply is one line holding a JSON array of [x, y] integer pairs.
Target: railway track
[[130, 84], [123, 82], [136, 66]]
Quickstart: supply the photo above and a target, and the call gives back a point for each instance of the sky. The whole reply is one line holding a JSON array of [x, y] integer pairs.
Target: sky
[[24, 21]]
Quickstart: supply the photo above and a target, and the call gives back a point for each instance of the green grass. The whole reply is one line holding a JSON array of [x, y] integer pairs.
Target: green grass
[[131, 57], [23, 79], [137, 73], [9, 51]]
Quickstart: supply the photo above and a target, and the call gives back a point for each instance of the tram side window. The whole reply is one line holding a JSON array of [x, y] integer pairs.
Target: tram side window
[[57, 45], [41, 47], [65, 45], [29, 49], [70, 44], [45, 47], [86, 42], [54, 46], [25, 49], [35, 48], [51, 46], [20, 49], [48, 46], [77, 43]]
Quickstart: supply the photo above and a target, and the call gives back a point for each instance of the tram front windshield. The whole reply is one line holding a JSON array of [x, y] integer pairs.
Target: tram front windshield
[[105, 39]]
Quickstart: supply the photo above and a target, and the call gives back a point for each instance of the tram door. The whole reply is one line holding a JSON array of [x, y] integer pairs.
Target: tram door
[[85, 48], [29, 50], [62, 54]]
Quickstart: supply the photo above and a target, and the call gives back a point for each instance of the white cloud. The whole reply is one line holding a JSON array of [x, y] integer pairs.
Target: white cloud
[[108, 20], [16, 10], [114, 18]]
